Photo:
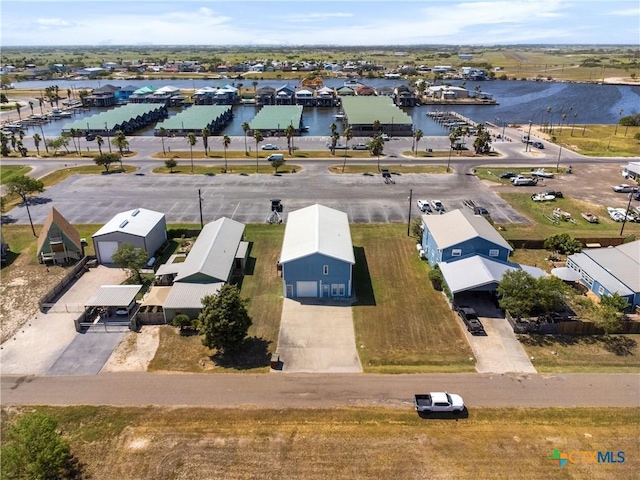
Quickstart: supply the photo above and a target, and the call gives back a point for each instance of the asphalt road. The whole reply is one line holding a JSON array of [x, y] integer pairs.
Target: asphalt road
[[280, 390]]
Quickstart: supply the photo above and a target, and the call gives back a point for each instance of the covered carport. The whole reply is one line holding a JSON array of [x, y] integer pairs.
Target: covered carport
[[109, 299]]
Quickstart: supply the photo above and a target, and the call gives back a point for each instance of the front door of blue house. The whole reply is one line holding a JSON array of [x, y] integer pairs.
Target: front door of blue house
[[325, 291], [289, 291]]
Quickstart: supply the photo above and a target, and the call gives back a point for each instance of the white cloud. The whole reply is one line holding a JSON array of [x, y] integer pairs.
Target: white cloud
[[314, 17], [53, 22], [630, 12]]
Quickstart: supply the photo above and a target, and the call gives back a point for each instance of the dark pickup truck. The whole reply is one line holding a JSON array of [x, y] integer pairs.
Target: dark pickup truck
[[471, 320]]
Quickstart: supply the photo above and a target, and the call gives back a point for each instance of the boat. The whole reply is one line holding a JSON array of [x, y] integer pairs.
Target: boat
[[615, 215], [56, 113], [542, 197], [65, 114], [590, 217], [561, 214], [306, 128], [630, 217], [339, 116], [541, 173]]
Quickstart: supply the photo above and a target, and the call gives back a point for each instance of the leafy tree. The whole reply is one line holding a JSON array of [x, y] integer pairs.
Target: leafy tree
[[482, 142], [524, 295], [333, 138], [183, 322], [34, 449], [162, 132], [106, 159], [245, 129], [416, 228], [206, 133], [36, 141], [100, 142], [226, 140], [24, 186], [170, 163], [257, 135], [615, 301], [120, 141], [376, 126], [376, 147], [4, 145], [417, 136], [191, 138], [131, 258], [277, 163], [562, 243], [224, 318], [348, 135]]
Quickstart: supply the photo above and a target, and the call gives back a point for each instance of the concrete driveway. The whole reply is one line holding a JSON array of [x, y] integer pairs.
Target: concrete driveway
[[499, 351], [40, 342], [317, 337]]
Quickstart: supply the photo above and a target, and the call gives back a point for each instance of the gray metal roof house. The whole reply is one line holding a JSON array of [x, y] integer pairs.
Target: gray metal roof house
[[317, 254], [606, 271], [141, 228]]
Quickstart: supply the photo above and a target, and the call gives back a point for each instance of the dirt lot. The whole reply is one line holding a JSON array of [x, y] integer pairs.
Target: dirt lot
[[135, 352]]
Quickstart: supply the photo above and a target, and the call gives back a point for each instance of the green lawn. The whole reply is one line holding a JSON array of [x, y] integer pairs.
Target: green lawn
[[7, 172], [599, 140], [199, 169], [357, 169]]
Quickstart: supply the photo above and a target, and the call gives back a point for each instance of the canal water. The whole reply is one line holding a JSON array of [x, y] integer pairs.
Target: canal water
[[518, 102]]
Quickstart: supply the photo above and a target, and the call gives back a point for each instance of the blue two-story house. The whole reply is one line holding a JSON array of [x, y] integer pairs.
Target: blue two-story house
[[317, 254], [470, 253]]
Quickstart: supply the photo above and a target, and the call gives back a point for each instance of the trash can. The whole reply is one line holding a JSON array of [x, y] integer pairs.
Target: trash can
[[275, 361]]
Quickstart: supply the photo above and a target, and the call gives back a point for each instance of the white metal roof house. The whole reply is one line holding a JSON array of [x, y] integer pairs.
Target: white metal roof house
[[140, 227], [217, 254], [606, 271], [317, 254], [471, 254]]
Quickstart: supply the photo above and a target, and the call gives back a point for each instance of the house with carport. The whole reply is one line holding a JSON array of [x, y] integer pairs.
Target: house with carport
[[470, 253], [317, 256], [605, 271]]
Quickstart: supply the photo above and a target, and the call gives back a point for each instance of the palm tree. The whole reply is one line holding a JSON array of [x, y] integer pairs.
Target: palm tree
[[417, 135], [376, 147], [206, 133], [120, 141], [73, 135], [191, 138], [255, 86], [376, 126], [549, 119], [564, 117], [289, 132], [68, 94], [99, 141], [162, 132], [225, 142], [56, 88], [258, 138], [31, 106], [348, 135], [618, 122], [36, 140], [40, 102], [18, 110], [245, 129]]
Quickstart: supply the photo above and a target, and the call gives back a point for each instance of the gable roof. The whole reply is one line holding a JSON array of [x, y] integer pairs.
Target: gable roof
[[214, 251], [477, 271], [317, 230], [459, 226], [614, 268], [56, 219], [139, 222]]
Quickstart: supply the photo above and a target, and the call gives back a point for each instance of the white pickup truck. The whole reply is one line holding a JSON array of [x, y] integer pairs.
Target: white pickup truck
[[439, 402]]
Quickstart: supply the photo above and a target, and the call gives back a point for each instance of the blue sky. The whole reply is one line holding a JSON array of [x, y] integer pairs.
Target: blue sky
[[328, 22]]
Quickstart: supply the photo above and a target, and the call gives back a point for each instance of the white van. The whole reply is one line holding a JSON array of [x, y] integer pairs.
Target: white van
[[275, 156]]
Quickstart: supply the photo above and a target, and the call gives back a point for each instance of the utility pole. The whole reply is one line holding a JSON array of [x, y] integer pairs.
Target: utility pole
[[558, 162], [409, 221], [200, 201], [624, 220]]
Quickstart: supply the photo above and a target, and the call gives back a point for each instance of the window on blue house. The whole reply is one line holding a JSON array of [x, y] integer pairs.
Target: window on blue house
[[494, 252], [456, 252], [325, 269], [601, 290]]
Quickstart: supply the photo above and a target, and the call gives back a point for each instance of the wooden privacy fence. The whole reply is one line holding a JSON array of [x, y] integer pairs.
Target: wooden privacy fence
[[531, 244], [573, 327]]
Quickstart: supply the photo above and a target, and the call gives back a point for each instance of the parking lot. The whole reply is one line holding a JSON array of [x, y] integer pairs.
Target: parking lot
[[85, 199]]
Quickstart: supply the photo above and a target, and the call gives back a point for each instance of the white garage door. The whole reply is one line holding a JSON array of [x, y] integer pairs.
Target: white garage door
[[307, 289], [106, 251]]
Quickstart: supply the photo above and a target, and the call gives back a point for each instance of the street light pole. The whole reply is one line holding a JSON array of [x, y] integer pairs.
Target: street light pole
[[409, 221], [626, 214], [200, 201], [449, 161], [106, 129], [527, 145], [558, 162]]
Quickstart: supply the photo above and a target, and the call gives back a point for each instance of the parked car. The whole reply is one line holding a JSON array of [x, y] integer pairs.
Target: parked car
[[360, 146], [337, 147], [555, 193], [508, 175], [385, 137], [623, 188], [635, 195], [539, 145], [424, 206], [521, 181], [477, 210], [471, 320], [438, 402], [437, 206], [269, 146], [90, 137]]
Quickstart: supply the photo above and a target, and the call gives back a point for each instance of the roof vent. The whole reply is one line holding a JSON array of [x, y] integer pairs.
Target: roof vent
[[135, 212], [124, 224]]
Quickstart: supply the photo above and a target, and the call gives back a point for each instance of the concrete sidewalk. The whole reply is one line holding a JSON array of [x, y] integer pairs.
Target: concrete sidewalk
[[317, 337]]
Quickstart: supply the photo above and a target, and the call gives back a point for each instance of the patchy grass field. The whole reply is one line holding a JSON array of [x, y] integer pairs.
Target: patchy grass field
[[593, 354], [402, 324], [394, 169], [353, 444], [199, 169], [493, 173], [7, 172], [599, 140]]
